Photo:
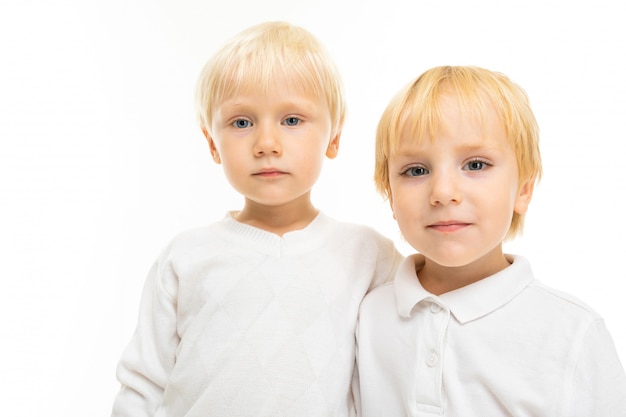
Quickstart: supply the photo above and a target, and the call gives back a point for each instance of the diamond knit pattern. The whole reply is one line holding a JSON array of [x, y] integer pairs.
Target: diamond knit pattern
[[265, 324]]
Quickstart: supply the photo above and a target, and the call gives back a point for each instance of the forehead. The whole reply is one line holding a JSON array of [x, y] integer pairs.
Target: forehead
[[269, 84], [453, 119], [281, 99], [254, 83], [274, 90]]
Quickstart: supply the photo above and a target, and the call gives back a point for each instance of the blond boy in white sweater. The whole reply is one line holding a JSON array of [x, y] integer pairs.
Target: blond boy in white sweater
[[254, 315]]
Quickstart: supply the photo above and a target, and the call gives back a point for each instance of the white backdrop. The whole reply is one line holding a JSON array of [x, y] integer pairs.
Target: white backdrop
[[101, 161]]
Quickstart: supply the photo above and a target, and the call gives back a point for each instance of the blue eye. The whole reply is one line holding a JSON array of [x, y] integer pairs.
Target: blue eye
[[415, 171], [242, 123], [292, 121], [475, 165]]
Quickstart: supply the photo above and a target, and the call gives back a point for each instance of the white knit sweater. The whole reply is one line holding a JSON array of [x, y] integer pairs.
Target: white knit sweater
[[236, 321]]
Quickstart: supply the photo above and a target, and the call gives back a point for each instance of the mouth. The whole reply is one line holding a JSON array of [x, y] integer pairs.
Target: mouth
[[269, 173], [448, 226]]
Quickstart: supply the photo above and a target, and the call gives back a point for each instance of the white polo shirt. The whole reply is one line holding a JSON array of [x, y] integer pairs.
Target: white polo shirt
[[504, 346]]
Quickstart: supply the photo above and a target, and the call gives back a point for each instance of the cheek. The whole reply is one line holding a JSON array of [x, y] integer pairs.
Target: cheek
[[305, 159], [396, 198], [230, 165], [499, 210], [311, 159], [233, 173], [234, 153], [404, 205]]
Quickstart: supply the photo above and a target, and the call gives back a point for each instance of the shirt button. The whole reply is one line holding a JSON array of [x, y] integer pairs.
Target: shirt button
[[435, 308], [432, 359]]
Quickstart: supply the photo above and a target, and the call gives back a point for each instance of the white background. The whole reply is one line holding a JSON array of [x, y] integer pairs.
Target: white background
[[101, 161]]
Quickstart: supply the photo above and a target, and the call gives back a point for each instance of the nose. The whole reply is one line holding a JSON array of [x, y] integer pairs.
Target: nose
[[445, 189], [267, 142]]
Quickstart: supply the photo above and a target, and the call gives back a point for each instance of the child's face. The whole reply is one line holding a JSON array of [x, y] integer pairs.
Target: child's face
[[454, 195], [272, 146]]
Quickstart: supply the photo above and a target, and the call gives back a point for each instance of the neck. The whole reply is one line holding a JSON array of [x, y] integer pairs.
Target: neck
[[439, 279], [278, 219]]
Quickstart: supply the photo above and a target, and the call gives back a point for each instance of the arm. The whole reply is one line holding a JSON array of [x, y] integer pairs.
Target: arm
[[598, 383], [147, 362], [388, 260]]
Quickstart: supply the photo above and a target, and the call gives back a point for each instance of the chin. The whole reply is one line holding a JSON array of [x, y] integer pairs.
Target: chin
[[451, 259]]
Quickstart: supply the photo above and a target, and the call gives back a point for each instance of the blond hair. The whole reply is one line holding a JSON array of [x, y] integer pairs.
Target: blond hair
[[417, 108], [255, 58]]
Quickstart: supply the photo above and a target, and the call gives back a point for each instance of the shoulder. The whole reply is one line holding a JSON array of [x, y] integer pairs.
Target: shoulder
[[357, 232], [194, 236], [382, 298], [201, 238], [344, 225], [538, 298], [561, 301], [364, 242], [379, 318], [558, 318]]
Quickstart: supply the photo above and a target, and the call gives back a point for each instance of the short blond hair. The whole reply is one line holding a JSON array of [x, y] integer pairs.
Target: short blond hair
[[259, 55], [417, 108]]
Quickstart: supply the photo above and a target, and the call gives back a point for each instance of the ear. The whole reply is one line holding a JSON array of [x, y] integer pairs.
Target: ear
[[524, 195], [333, 146], [214, 152]]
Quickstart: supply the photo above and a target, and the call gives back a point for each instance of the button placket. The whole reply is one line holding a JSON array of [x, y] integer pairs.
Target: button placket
[[431, 334], [432, 359]]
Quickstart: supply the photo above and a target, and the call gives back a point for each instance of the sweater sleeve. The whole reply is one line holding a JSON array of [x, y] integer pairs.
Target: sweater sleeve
[[388, 259], [598, 383], [147, 361]]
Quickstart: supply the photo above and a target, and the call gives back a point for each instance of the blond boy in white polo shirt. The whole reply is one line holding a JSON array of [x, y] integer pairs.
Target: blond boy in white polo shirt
[[466, 330]]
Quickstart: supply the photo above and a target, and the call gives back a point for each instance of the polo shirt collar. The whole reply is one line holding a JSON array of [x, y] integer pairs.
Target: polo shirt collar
[[467, 303]]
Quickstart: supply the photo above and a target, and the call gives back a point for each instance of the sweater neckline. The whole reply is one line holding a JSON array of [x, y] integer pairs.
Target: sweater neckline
[[315, 234]]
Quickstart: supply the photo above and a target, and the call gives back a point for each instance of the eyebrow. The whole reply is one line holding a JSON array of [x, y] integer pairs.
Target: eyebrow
[[409, 150], [480, 147], [238, 103]]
